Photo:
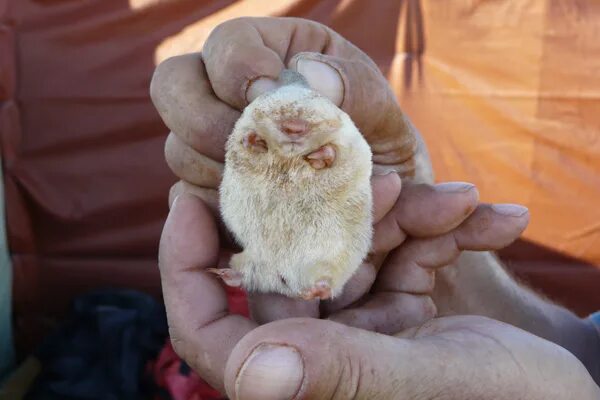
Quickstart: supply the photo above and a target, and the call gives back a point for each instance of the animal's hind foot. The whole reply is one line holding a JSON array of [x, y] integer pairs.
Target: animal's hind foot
[[320, 290], [230, 276]]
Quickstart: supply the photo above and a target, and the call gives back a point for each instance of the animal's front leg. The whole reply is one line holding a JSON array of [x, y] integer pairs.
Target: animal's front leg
[[328, 277], [322, 157]]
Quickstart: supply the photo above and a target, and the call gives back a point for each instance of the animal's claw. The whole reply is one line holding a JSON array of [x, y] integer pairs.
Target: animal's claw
[[254, 142], [230, 276]]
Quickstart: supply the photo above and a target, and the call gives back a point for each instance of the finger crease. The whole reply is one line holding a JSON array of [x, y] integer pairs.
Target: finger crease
[[327, 43], [219, 316], [457, 247], [396, 292], [290, 41]]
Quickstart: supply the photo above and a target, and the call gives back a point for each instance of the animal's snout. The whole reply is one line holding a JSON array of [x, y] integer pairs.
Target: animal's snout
[[294, 128]]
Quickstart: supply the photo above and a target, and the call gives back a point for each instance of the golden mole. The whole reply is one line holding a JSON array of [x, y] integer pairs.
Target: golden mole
[[296, 194]]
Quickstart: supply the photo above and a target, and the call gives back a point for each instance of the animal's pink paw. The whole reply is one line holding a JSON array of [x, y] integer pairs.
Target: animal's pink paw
[[230, 276], [322, 158], [254, 142], [320, 290]]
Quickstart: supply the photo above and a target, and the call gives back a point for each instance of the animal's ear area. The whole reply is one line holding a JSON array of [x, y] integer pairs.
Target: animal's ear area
[[255, 143]]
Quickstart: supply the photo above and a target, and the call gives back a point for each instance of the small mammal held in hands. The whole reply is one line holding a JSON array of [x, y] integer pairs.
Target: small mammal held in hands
[[296, 194]]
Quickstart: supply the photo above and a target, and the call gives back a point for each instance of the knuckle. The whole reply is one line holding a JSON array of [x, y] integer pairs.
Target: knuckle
[[454, 248], [416, 310], [160, 75], [349, 378], [173, 152], [224, 28]]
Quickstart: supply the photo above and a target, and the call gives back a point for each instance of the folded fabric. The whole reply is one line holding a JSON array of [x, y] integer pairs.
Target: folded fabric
[[174, 378], [101, 350]]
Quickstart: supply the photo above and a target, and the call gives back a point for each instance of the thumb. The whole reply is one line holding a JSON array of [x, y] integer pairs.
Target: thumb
[[359, 88], [317, 359]]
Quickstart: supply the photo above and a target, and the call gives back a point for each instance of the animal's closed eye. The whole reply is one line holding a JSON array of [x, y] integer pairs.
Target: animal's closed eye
[[255, 143], [282, 279]]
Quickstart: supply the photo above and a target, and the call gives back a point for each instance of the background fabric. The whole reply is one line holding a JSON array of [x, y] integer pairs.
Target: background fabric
[[101, 350], [506, 93], [6, 340]]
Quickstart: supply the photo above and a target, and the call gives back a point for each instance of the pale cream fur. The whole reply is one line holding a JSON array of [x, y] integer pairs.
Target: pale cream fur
[[297, 224]]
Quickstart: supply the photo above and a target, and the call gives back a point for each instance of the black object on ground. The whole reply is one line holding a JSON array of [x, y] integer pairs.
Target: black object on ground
[[100, 352]]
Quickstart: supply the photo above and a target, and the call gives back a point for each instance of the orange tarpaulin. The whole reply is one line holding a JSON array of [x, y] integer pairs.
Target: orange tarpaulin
[[510, 100], [506, 94]]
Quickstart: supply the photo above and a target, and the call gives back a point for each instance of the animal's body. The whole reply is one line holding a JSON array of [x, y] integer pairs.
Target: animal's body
[[296, 194]]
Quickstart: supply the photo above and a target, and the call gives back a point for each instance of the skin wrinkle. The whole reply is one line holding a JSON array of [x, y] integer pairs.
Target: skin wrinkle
[[345, 84], [290, 41], [458, 344], [188, 164], [219, 316], [326, 45], [261, 36], [187, 128], [456, 248], [500, 344], [265, 33], [246, 86], [350, 379], [523, 372], [339, 379], [453, 253], [358, 380]]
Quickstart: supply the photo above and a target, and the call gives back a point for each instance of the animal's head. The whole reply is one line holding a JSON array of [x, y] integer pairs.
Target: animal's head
[[287, 125]]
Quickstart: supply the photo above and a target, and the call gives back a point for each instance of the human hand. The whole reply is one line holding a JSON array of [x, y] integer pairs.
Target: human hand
[[200, 96], [203, 332], [458, 357]]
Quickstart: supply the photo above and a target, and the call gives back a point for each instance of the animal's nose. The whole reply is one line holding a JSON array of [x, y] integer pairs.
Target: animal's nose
[[295, 127]]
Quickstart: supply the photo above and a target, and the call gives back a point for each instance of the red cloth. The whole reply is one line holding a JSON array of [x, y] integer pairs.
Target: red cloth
[[171, 374], [167, 374]]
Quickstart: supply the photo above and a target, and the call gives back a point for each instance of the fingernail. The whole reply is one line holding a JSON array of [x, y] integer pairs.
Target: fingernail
[[510, 210], [259, 86], [322, 77], [271, 372], [454, 187]]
